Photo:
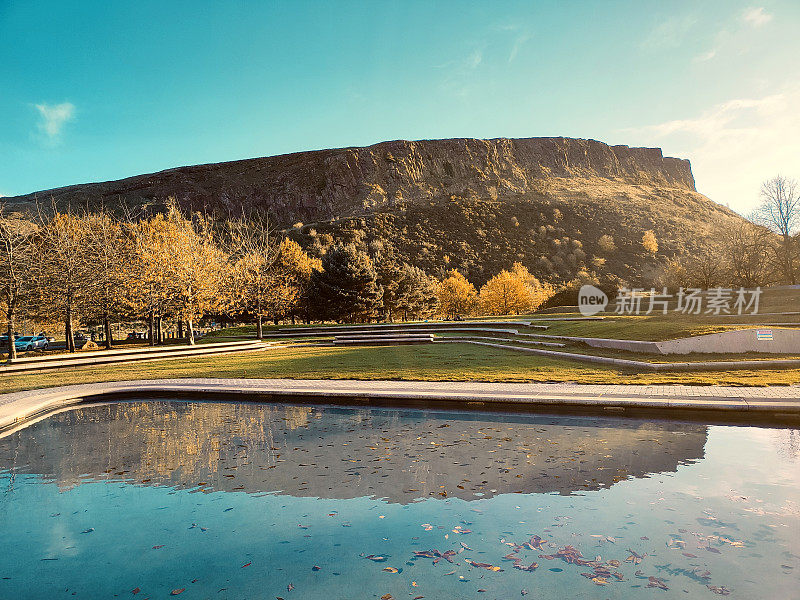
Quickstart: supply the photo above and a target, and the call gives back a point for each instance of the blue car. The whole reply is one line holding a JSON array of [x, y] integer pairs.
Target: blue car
[[31, 342]]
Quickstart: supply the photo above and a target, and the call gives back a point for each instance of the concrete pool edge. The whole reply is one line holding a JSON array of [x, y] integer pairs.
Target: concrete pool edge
[[728, 403]]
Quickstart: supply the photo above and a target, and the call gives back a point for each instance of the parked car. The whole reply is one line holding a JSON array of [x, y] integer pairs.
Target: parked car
[[136, 335], [50, 338], [31, 342]]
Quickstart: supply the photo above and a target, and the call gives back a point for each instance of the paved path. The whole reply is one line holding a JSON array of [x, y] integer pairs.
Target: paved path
[[780, 402]]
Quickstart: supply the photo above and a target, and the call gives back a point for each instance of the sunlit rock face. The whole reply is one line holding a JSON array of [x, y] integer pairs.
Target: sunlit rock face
[[399, 455], [323, 184]]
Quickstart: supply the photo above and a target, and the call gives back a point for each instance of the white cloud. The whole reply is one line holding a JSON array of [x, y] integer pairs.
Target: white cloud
[[53, 117], [518, 43], [735, 145], [705, 56], [756, 16]]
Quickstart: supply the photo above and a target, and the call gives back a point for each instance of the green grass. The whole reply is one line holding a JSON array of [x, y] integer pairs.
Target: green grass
[[437, 362]]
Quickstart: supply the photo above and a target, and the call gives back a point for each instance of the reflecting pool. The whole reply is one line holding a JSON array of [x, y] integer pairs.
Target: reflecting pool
[[220, 500]]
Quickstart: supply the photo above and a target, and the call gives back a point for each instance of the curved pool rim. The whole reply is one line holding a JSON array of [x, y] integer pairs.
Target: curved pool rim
[[21, 408]]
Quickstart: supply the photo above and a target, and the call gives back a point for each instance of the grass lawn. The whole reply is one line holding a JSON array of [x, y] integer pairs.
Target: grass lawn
[[436, 362]]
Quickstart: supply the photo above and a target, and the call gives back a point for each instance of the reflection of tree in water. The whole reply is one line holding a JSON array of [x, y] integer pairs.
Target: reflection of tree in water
[[343, 453], [787, 443]]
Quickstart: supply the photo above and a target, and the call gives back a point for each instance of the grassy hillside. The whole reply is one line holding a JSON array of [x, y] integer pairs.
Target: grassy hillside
[[555, 231]]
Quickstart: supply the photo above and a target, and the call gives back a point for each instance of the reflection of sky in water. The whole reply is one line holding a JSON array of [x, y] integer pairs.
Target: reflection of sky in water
[[103, 500]]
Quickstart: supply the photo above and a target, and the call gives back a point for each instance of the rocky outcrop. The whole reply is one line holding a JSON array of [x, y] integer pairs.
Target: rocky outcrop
[[325, 184]]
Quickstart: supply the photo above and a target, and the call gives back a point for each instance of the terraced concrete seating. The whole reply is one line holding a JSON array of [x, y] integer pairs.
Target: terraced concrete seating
[[31, 363], [385, 330], [379, 340]]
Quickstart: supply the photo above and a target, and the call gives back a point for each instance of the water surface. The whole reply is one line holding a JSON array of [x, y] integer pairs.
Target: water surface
[[226, 500]]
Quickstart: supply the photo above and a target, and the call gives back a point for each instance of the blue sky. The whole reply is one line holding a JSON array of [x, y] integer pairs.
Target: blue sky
[[91, 91]]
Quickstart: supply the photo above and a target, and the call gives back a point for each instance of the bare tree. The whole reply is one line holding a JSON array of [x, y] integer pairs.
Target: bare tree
[[252, 253], [748, 248], [16, 258], [780, 212]]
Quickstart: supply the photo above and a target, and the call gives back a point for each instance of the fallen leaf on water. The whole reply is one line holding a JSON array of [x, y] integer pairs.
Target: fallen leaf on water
[[316, 568], [655, 582], [289, 587], [387, 597], [246, 565], [481, 565], [135, 591], [390, 570], [157, 547], [375, 558], [176, 592], [720, 590], [689, 554]]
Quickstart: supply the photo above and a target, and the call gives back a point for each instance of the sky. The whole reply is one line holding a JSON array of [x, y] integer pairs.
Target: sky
[[93, 91]]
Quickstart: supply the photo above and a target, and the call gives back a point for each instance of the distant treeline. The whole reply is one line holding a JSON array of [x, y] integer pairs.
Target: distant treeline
[[172, 269]]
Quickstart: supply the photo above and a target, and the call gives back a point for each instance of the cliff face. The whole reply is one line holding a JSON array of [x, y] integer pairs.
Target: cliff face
[[321, 185]]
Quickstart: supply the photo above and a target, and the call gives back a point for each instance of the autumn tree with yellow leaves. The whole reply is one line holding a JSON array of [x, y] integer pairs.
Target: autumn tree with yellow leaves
[[65, 279], [457, 296]]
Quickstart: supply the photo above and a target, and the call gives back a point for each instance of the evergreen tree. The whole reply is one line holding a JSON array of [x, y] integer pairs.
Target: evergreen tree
[[346, 288], [416, 292]]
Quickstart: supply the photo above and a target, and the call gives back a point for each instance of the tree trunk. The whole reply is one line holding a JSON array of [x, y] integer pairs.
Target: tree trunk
[[788, 266], [12, 350], [180, 328], [190, 331], [107, 331], [260, 327], [151, 328], [68, 327], [160, 330]]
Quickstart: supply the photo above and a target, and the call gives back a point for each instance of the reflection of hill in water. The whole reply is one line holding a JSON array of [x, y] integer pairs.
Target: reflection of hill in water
[[328, 452]]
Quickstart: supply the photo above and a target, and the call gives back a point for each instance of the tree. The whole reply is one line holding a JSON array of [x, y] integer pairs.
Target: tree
[[292, 273], [606, 244], [505, 294], [748, 248], [154, 295], [250, 278], [110, 252], [17, 252], [416, 292], [195, 268], [649, 241], [780, 212], [346, 287], [65, 278], [539, 292], [179, 268], [457, 296]]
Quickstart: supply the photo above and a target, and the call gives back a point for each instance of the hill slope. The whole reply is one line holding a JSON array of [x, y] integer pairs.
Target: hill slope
[[474, 204]]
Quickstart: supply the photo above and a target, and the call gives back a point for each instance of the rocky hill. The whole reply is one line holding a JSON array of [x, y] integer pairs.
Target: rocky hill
[[475, 204]]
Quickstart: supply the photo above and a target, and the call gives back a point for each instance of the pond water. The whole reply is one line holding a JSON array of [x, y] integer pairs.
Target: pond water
[[222, 500]]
